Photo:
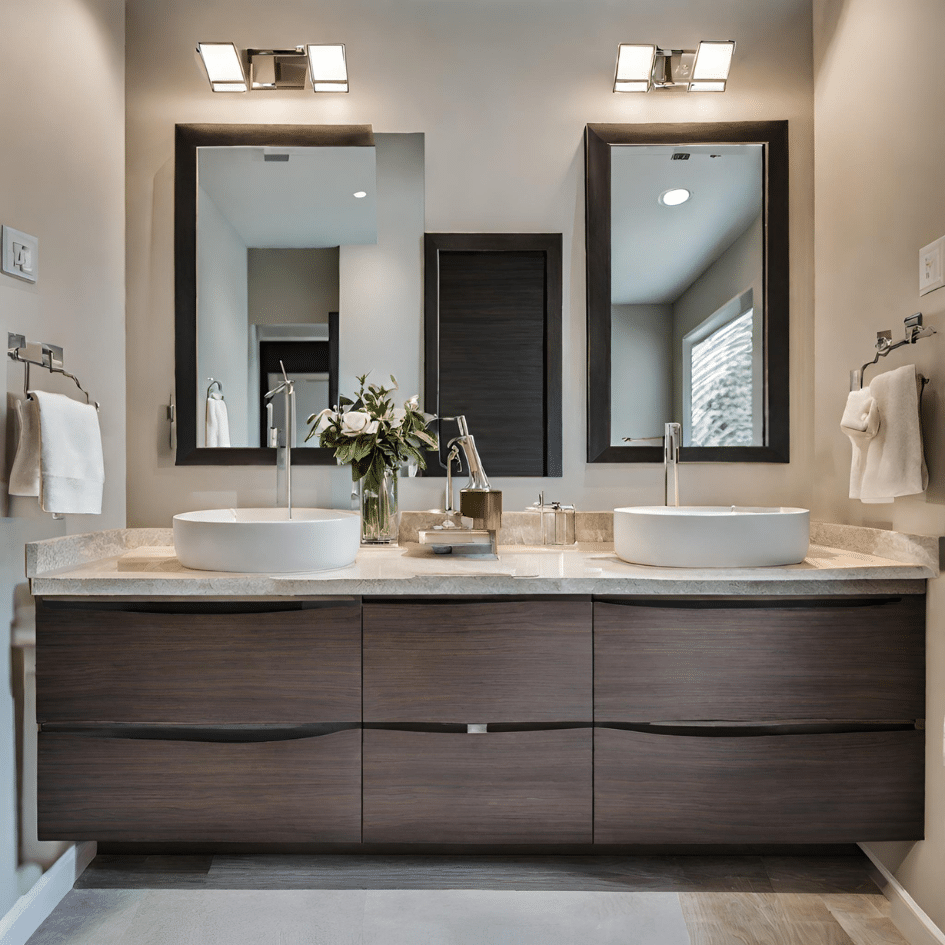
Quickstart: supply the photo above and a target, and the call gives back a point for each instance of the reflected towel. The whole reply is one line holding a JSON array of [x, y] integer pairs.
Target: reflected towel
[[24, 476], [891, 461], [71, 464], [218, 424]]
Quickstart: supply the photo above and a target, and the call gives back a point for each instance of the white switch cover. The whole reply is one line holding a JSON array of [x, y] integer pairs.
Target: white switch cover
[[20, 254], [932, 266]]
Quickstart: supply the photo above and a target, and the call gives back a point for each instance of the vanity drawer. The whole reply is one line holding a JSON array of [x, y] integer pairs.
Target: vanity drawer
[[282, 666], [494, 661], [830, 659], [812, 788], [499, 787], [106, 788]]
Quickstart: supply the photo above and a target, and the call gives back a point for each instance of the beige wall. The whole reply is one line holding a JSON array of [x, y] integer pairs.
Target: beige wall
[[62, 179], [502, 93], [292, 286], [880, 197]]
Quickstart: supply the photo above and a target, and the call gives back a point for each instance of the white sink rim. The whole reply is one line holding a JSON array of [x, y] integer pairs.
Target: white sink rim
[[266, 540], [712, 536]]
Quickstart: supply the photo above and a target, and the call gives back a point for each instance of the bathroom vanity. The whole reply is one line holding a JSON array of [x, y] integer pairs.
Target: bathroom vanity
[[558, 698]]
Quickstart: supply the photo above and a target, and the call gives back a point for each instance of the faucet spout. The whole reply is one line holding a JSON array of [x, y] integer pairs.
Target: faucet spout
[[672, 435], [284, 446]]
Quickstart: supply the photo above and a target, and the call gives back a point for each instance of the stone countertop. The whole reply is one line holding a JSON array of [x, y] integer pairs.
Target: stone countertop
[[856, 561]]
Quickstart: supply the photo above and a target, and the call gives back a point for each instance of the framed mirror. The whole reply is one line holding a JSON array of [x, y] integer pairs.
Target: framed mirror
[[687, 291], [261, 214]]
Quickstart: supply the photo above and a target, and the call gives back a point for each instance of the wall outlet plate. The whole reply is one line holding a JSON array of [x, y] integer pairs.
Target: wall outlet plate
[[932, 266], [20, 254]]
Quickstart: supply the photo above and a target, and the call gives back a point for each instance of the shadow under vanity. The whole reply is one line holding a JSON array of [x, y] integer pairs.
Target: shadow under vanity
[[550, 720]]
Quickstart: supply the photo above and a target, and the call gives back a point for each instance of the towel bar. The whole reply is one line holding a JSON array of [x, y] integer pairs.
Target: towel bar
[[49, 357]]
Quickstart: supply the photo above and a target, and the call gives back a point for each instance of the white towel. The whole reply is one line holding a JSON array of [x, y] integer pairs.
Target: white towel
[[888, 459], [24, 476], [71, 464], [218, 424]]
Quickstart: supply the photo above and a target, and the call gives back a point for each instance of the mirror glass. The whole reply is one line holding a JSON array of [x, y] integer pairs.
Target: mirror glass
[[270, 222], [687, 299]]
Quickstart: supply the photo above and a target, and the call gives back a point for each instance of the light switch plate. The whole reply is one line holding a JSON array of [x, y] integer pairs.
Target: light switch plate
[[20, 254], [932, 266]]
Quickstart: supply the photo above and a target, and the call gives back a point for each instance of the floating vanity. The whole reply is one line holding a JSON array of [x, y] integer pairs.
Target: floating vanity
[[552, 697]]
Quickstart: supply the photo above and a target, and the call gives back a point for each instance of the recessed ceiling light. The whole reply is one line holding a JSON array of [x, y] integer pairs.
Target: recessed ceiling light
[[674, 197], [360, 194]]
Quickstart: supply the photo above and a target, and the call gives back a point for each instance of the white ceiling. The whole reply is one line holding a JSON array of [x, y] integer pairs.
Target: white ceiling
[[306, 202], [657, 252]]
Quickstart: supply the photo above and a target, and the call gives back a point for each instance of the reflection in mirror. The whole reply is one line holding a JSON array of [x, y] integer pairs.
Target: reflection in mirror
[[270, 221], [687, 290], [687, 264]]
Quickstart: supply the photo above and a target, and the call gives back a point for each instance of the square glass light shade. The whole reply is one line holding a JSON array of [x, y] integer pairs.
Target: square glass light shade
[[224, 66], [634, 67], [328, 67], [713, 61]]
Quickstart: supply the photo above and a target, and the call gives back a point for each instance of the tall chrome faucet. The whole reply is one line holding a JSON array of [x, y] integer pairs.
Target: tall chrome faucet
[[672, 435], [284, 445]]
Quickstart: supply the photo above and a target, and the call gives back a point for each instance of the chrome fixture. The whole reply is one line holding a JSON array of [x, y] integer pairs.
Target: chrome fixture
[[884, 344], [42, 355], [641, 67], [672, 437], [321, 67], [284, 450], [557, 521]]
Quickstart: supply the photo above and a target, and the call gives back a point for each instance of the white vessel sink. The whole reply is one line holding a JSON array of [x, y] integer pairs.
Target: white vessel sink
[[267, 540], [711, 536]]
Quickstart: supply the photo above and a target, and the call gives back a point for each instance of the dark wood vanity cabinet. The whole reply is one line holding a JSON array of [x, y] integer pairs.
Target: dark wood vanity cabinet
[[619, 721], [524, 669], [173, 721], [767, 721]]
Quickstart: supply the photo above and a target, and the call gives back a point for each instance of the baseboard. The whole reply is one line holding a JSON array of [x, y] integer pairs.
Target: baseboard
[[907, 915], [33, 908]]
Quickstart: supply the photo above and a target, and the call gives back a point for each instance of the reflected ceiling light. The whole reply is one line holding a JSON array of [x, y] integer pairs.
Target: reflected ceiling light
[[360, 194], [224, 66], [674, 197], [322, 67], [328, 68], [643, 67]]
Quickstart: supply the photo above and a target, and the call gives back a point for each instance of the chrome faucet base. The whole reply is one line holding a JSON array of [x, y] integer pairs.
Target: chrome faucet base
[[672, 437]]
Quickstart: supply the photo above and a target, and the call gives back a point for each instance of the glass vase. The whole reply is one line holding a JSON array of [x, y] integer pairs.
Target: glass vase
[[379, 518]]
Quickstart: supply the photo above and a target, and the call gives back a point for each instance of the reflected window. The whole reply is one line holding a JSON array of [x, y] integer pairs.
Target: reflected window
[[719, 386]]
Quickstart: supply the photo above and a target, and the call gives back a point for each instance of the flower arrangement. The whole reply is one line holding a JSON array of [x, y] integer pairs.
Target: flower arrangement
[[374, 436]]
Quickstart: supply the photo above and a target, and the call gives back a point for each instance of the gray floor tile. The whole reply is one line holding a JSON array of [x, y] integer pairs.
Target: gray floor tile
[[468, 917], [89, 917]]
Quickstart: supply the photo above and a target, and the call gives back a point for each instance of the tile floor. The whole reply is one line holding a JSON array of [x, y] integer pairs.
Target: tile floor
[[431, 900]]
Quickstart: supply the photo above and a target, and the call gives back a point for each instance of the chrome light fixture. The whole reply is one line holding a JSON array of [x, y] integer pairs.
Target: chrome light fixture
[[642, 67], [323, 66]]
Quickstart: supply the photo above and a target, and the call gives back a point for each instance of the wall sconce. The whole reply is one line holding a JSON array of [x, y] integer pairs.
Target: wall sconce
[[641, 67], [323, 66]]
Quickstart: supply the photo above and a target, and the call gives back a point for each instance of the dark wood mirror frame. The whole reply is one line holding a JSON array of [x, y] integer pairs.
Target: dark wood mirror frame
[[598, 139], [188, 138]]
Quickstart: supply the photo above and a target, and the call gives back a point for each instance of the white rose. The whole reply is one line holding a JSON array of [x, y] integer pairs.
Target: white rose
[[322, 420], [398, 414], [371, 428], [356, 422], [413, 403]]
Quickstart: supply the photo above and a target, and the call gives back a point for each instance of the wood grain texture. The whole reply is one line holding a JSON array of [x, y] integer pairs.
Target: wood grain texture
[[775, 789], [492, 335], [147, 789], [598, 140], [818, 661], [297, 666], [512, 787], [503, 661]]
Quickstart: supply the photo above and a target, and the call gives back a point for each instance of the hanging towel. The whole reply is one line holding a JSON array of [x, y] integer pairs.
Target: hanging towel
[[24, 477], [860, 423], [71, 465], [891, 462], [218, 424]]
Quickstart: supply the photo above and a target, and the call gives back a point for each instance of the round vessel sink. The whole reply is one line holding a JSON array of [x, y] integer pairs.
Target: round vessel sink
[[711, 536], [267, 540]]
